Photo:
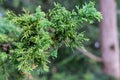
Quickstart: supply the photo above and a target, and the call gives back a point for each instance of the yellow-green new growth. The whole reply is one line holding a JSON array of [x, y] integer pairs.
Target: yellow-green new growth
[[41, 35]]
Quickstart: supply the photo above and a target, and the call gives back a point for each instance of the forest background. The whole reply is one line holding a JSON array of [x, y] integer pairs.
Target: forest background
[[69, 64]]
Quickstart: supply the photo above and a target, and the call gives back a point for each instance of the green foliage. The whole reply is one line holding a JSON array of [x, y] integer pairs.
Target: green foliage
[[65, 24], [1, 1], [40, 34], [8, 33], [33, 43], [63, 76], [88, 13]]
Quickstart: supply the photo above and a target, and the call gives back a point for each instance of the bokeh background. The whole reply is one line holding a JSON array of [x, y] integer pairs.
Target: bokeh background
[[70, 64]]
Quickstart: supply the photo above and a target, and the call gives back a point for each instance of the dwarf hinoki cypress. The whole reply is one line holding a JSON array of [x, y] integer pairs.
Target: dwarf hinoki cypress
[[39, 35]]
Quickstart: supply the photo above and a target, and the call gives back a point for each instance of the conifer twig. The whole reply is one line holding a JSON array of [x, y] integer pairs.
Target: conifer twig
[[88, 54]]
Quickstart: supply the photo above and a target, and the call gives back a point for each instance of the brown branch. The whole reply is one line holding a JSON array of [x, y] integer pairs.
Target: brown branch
[[88, 54], [30, 77]]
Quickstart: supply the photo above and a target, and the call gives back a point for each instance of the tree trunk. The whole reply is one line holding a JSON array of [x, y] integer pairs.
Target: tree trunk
[[109, 38]]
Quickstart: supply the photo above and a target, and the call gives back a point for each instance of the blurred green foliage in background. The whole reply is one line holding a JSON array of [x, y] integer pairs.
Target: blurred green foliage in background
[[70, 64]]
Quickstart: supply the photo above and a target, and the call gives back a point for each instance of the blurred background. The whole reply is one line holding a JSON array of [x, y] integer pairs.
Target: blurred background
[[70, 64]]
